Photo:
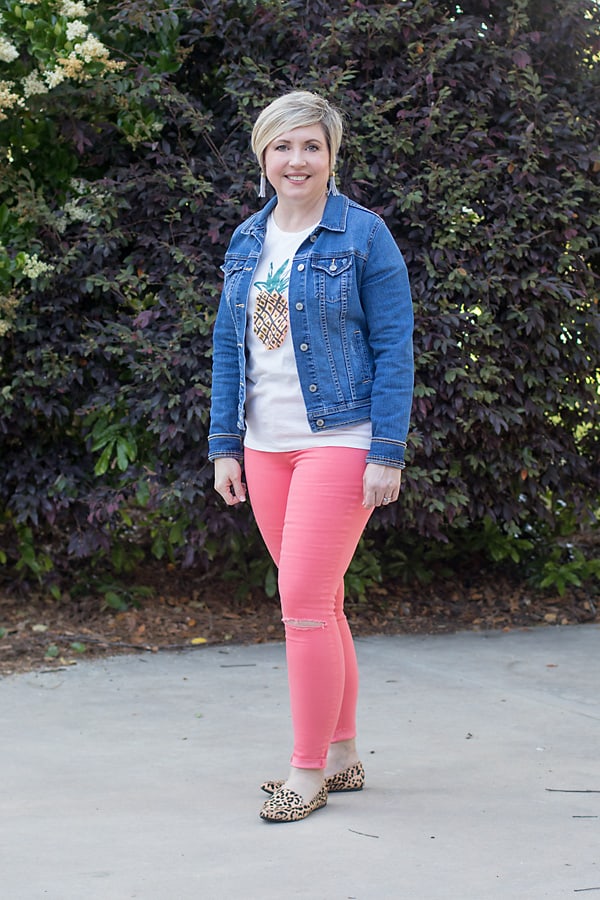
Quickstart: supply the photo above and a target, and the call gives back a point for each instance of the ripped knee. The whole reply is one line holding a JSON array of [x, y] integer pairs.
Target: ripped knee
[[303, 624]]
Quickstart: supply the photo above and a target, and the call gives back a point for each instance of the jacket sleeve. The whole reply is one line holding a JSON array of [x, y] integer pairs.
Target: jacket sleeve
[[225, 436], [387, 304]]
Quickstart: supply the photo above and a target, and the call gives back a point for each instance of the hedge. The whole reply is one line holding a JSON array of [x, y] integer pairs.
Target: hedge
[[472, 128]]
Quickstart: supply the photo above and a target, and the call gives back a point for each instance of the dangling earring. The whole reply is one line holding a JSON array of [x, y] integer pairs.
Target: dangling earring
[[332, 186], [262, 185]]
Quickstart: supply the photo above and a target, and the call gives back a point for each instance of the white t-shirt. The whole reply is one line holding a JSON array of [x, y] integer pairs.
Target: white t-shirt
[[275, 412]]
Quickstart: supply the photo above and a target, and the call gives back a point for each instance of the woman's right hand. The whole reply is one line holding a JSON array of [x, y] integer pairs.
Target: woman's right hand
[[228, 481]]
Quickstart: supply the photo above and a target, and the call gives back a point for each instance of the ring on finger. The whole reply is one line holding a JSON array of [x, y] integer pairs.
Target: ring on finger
[[387, 500]]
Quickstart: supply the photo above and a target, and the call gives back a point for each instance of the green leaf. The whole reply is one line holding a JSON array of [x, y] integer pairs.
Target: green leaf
[[142, 494], [103, 463], [122, 455], [115, 601], [271, 582]]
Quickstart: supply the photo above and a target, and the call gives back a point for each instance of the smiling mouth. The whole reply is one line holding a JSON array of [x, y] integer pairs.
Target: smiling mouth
[[297, 178]]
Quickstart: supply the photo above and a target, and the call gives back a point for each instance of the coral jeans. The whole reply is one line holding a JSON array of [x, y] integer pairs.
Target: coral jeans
[[308, 507]]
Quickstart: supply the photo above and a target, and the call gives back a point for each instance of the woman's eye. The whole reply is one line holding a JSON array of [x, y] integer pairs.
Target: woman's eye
[[314, 148]]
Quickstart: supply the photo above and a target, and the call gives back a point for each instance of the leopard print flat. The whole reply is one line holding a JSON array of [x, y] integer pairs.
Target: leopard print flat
[[350, 779], [288, 806]]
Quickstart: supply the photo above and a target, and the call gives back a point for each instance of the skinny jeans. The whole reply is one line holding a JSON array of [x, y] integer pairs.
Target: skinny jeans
[[308, 507]]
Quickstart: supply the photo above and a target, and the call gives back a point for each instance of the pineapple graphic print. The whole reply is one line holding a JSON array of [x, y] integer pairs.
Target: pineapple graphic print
[[270, 320]]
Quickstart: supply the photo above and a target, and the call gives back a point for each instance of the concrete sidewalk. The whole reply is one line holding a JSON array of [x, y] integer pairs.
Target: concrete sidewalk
[[137, 777]]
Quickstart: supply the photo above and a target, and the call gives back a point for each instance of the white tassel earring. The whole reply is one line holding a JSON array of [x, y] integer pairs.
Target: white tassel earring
[[262, 186], [332, 186]]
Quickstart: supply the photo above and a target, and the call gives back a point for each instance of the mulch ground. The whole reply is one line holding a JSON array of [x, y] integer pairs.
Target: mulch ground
[[187, 611]]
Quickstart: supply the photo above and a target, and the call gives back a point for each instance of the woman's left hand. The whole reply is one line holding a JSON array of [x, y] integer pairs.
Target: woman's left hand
[[381, 485]]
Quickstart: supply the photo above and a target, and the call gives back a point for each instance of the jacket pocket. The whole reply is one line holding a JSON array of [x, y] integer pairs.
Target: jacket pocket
[[333, 277], [362, 363]]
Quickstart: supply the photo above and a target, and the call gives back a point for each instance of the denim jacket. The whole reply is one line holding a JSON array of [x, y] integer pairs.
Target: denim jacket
[[351, 323]]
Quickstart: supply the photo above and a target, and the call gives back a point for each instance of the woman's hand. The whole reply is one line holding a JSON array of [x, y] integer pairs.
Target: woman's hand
[[228, 481], [381, 485]]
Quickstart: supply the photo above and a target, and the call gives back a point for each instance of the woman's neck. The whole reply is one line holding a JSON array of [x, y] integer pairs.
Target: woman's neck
[[293, 217]]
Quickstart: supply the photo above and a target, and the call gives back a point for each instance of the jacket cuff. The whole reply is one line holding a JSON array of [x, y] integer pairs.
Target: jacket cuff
[[225, 445], [387, 453]]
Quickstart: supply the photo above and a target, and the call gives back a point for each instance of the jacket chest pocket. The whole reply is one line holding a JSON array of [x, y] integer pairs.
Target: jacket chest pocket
[[333, 277]]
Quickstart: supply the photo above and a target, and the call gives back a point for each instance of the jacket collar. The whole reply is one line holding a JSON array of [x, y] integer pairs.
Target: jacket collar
[[334, 215]]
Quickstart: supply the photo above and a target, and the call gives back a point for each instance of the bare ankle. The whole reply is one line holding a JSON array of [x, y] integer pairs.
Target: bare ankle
[[306, 782], [342, 754]]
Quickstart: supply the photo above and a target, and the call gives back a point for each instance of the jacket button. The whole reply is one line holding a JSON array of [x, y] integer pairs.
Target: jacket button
[[320, 422], [304, 347], [301, 267], [312, 388], [313, 238], [299, 305]]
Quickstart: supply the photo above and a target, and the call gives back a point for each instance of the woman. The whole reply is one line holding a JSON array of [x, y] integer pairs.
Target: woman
[[312, 389]]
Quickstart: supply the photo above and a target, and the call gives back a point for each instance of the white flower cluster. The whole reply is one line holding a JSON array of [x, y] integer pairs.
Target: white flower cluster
[[8, 98], [75, 213], [91, 49], [8, 51], [73, 10], [79, 186], [87, 51], [88, 190], [85, 206], [53, 77], [8, 308], [33, 266], [73, 65], [76, 29], [33, 84]]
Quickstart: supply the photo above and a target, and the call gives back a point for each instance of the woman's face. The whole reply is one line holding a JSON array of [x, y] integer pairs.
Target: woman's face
[[297, 164]]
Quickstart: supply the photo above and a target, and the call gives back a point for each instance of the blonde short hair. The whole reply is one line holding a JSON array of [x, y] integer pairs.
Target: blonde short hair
[[297, 110]]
